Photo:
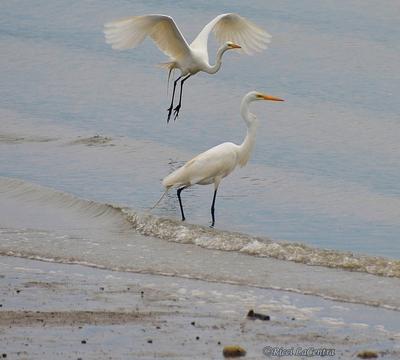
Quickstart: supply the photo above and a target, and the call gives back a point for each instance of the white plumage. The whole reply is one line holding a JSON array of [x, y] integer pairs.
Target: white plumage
[[129, 32], [206, 168], [211, 166], [231, 30], [235, 28]]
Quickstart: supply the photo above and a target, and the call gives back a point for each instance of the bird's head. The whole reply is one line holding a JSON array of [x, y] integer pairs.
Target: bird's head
[[255, 95], [229, 45]]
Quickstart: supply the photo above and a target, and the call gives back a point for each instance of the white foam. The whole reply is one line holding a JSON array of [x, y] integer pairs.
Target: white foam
[[173, 230]]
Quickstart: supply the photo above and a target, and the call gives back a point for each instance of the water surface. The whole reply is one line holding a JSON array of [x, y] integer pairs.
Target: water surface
[[325, 169]]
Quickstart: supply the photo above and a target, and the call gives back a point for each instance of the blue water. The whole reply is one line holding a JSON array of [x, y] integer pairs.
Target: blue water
[[325, 170]]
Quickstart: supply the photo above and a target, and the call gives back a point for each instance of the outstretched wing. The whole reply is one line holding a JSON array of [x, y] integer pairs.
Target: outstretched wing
[[235, 28], [131, 31]]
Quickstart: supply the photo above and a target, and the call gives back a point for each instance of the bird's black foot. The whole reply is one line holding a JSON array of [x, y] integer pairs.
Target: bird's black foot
[[212, 225], [176, 111], [183, 218], [169, 114]]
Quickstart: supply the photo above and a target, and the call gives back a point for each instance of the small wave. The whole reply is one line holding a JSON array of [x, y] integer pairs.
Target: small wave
[[17, 139], [172, 230], [176, 231], [34, 193], [96, 140]]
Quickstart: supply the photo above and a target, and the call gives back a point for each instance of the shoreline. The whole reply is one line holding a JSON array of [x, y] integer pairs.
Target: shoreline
[[295, 291], [86, 313], [44, 224]]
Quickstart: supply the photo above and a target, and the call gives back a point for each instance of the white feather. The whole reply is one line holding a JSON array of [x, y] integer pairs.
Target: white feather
[[216, 162], [130, 32], [235, 28]]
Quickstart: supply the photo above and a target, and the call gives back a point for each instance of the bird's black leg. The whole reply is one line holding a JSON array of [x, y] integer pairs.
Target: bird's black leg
[[213, 208], [172, 100], [180, 201], [178, 107]]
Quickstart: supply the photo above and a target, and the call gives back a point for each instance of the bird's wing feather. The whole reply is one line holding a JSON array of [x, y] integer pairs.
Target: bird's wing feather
[[217, 161], [235, 28], [131, 31]]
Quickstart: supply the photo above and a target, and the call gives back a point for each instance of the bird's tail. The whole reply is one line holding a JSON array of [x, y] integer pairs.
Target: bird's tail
[[159, 200], [167, 65], [170, 65]]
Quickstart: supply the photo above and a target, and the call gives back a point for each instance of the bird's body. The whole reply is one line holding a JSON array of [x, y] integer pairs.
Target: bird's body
[[218, 162], [211, 166], [230, 30], [189, 64]]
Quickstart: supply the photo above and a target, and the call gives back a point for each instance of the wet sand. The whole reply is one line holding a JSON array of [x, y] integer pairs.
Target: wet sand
[[58, 311]]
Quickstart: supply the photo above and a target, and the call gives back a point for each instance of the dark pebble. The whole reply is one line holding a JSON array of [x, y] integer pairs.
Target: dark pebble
[[18, 291], [1, 305], [4, 355], [141, 293], [250, 313], [219, 342], [83, 342], [293, 318], [101, 288], [197, 337], [150, 341], [157, 327], [193, 323], [253, 315]]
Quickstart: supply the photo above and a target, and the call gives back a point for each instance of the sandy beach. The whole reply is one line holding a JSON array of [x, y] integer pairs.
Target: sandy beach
[[58, 311]]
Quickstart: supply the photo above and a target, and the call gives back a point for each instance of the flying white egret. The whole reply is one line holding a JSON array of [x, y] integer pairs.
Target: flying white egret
[[231, 30], [211, 166]]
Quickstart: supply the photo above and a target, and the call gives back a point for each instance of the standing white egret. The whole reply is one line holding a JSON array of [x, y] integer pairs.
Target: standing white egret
[[229, 29], [211, 166]]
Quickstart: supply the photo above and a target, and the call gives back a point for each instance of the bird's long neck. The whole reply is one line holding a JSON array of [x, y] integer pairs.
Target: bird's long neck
[[212, 69], [246, 148]]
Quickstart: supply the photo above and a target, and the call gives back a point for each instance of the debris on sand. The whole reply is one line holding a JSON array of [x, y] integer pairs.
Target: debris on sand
[[367, 354], [253, 315], [233, 351]]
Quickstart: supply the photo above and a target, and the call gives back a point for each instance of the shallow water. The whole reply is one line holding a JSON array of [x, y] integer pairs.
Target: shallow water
[[40, 223], [326, 166]]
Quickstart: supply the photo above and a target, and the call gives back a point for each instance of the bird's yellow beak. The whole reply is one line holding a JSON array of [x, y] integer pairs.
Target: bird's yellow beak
[[235, 46], [269, 97]]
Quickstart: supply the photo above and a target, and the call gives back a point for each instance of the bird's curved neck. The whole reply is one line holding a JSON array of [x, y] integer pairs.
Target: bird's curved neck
[[212, 69], [246, 147]]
